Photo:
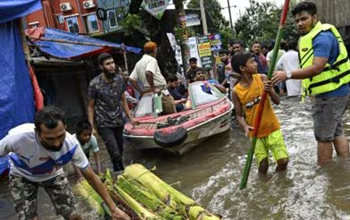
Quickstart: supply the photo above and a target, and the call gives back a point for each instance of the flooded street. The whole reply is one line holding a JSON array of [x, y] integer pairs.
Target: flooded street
[[211, 175]]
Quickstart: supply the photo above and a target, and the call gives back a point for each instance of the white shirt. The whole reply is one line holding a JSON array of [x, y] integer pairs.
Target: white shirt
[[290, 62], [29, 159], [279, 55], [148, 63]]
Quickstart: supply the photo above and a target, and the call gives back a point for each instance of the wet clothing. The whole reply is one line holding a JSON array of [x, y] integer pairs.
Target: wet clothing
[[108, 100], [326, 45], [91, 145], [109, 115], [273, 142], [24, 195], [250, 97], [327, 114], [325, 41], [33, 166], [113, 139], [331, 98], [29, 159]]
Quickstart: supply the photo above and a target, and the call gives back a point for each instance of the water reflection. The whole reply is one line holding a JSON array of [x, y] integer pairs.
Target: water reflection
[[211, 175]]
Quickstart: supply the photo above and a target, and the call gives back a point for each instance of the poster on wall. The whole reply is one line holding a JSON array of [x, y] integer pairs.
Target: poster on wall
[[192, 43], [155, 7], [205, 52]]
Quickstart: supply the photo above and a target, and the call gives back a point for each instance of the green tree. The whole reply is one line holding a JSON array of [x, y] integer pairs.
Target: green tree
[[219, 24], [213, 10], [260, 22]]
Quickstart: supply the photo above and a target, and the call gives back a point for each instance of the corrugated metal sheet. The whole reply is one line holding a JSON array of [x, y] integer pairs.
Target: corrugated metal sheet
[[335, 12]]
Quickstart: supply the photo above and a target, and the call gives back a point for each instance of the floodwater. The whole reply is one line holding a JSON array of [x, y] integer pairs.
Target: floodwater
[[211, 175]]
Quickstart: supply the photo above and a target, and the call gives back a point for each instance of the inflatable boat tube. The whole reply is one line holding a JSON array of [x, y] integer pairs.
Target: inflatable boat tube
[[170, 140]]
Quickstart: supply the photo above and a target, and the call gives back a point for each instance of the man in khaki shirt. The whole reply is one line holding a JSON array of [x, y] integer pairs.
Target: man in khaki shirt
[[148, 73]]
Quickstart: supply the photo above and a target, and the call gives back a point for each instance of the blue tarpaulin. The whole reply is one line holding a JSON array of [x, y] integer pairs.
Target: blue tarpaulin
[[16, 90], [71, 50], [12, 9]]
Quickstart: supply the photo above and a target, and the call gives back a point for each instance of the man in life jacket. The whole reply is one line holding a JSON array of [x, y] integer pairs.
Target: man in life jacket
[[325, 74]]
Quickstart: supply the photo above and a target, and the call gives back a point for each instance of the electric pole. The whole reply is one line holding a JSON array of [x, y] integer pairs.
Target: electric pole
[[204, 18], [229, 12]]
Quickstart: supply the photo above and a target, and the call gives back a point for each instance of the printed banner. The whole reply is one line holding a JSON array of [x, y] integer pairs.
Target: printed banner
[[176, 48], [192, 19], [192, 44], [215, 42], [205, 52], [155, 7]]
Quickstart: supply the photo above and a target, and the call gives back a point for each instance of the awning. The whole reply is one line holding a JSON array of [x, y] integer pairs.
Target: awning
[[62, 44], [13, 9]]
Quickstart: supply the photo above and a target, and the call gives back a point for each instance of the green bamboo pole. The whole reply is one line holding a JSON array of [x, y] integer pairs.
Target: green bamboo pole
[[249, 160]]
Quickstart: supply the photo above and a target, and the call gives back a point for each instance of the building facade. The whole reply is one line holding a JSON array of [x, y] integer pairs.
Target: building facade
[[80, 16]]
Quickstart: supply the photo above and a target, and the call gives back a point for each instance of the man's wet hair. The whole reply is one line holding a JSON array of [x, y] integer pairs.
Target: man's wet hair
[[171, 78], [83, 125], [50, 116], [224, 51], [306, 6], [240, 59], [102, 57], [192, 59]]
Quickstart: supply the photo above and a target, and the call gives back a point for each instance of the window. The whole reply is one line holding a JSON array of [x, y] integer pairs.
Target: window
[[92, 23], [72, 24], [34, 25], [60, 19], [112, 18]]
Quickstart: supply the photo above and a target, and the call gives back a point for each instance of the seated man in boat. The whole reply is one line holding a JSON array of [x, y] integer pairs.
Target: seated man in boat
[[173, 84], [201, 76], [88, 142]]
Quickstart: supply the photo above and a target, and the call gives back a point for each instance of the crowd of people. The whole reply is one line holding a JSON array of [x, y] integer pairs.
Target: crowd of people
[[319, 67]]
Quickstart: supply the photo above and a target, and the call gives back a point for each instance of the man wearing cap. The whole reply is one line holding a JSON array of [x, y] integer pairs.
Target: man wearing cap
[[148, 73]]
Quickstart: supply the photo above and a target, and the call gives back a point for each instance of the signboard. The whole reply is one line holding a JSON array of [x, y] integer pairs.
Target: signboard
[[192, 19], [155, 7], [192, 44], [215, 42], [205, 52], [176, 48]]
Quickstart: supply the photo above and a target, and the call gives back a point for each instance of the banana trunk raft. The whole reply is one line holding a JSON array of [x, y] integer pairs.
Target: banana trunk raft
[[143, 195]]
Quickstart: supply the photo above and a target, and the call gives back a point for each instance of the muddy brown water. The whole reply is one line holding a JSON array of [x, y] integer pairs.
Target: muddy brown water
[[211, 175]]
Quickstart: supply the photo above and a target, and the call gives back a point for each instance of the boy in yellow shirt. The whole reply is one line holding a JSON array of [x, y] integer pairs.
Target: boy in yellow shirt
[[246, 96]]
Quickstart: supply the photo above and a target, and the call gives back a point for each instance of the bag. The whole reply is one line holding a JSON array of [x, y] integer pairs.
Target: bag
[[168, 103]]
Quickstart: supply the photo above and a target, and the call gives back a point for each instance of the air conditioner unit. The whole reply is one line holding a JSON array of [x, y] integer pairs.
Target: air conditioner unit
[[65, 6], [88, 4]]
